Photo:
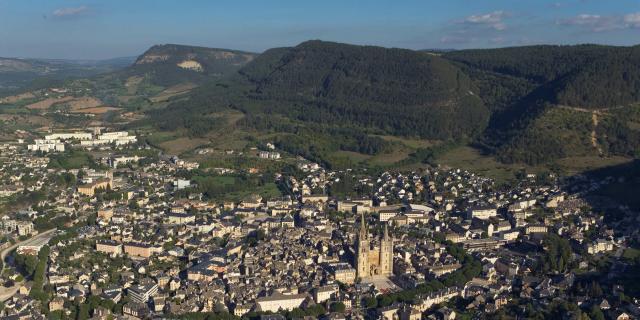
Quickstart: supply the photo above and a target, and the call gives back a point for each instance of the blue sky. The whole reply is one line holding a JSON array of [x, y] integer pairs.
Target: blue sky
[[115, 28]]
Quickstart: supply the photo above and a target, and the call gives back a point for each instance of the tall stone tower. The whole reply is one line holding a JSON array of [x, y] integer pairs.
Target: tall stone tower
[[386, 253], [363, 269]]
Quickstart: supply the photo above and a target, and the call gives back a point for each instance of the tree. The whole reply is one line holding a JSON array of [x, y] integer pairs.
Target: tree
[[557, 254], [370, 302], [596, 313], [337, 307], [26, 263], [83, 312]]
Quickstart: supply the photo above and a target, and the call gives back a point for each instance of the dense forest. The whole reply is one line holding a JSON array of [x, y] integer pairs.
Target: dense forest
[[402, 92], [527, 104], [543, 100]]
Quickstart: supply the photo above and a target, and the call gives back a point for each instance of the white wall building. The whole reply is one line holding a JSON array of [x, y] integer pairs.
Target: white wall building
[[46, 145], [69, 136], [279, 301], [482, 213]]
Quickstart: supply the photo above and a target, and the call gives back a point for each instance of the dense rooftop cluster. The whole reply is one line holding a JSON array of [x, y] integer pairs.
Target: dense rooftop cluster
[[149, 237]]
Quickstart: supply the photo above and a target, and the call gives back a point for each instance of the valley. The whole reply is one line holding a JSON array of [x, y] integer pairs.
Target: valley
[[185, 98]]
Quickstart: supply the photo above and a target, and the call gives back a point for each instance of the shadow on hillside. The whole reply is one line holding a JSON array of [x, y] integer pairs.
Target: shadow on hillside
[[619, 193]]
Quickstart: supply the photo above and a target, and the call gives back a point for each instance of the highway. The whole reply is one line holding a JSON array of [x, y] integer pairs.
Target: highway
[[6, 293]]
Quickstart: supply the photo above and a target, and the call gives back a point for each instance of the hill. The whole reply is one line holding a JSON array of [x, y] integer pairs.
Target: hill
[[171, 64], [336, 102], [533, 104], [551, 102], [397, 91], [389, 91], [340, 103]]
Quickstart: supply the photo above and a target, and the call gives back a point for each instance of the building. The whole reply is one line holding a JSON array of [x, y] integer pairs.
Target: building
[[343, 272], [140, 249], [69, 136], [373, 262], [598, 246], [117, 161], [105, 214], [33, 247], [385, 215], [242, 309], [325, 293], [117, 138], [141, 293], [180, 184], [482, 212], [358, 206], [315, 199], [46, 146], [531, 229], [89, 189], [474, 245], [56, 303], [136, 310], [427, 301], [208, 270], [108, 247], [279, 301], [180, 218], [269, 155], [24, 228]]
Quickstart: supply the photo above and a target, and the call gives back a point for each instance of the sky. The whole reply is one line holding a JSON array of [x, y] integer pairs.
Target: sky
[[68, 29]]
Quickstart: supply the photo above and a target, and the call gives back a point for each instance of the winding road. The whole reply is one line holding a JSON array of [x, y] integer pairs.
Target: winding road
[[6, 293]]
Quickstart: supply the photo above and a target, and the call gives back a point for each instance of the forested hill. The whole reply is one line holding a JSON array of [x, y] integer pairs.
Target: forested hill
[[590, 76], [550, 102], [399, 91], [525, 104], [172, 64]]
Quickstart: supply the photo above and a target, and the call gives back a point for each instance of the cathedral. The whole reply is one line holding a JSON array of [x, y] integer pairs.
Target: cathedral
[[373, 261]]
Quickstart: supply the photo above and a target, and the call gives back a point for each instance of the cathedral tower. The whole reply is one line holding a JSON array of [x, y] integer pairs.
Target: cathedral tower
[[386, 253], [362, 251]]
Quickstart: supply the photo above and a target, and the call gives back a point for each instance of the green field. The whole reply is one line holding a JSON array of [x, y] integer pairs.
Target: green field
[[235, 188], [573, 165], [631, 253], [71, 160], [268, 191], [471, 159]]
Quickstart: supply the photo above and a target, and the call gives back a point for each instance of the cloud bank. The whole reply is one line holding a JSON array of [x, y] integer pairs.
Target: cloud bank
[[69, 12]]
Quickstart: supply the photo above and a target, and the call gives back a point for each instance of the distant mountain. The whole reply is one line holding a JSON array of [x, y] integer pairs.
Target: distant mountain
[[172, 64], [16, 73]]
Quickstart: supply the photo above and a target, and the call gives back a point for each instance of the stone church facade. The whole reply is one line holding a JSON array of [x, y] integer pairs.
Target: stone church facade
[[373, 261]]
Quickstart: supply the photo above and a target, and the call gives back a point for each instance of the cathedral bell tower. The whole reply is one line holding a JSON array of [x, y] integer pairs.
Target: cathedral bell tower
[[362, 251], [386, 253]]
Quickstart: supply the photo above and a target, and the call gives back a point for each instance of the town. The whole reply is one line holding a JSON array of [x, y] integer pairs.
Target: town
[[132, 233]]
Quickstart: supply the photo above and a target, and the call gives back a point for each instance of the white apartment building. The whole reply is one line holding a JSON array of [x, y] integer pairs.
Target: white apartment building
[[46, 145]]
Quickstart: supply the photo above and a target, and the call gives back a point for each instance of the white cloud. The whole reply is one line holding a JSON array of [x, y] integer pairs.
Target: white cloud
[[493, 20], [632, 20], [599, 23], [69, 12], [582, 20]]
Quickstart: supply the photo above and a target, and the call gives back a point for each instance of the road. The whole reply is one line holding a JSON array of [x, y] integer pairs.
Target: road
[[6, 293]]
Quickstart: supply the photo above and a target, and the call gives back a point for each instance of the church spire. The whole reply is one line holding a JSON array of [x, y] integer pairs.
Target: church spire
[[386, 232], [363, 227]]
